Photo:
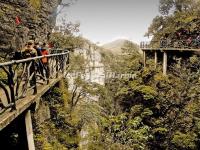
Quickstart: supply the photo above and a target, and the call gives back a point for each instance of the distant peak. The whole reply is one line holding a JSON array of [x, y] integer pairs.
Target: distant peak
[[115, 46]]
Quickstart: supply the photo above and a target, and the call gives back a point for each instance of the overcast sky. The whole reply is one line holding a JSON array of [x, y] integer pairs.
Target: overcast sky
[[107, 20]]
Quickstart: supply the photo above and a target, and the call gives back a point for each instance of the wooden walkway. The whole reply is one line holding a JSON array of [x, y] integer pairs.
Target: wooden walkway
[[23, 104], [165, 52]]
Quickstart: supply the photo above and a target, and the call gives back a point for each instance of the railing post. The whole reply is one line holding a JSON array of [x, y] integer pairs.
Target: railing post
[[34, 77], [67, 58], [57, 67], [11, 86]]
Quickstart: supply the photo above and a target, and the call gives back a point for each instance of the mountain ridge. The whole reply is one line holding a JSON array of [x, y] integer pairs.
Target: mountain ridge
[[116, 45]]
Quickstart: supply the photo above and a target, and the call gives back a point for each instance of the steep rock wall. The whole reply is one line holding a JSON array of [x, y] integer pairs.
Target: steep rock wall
[[37, 20]]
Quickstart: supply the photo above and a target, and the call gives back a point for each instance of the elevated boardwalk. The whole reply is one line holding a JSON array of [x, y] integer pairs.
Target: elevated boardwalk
[[23, 83], [146, 48]]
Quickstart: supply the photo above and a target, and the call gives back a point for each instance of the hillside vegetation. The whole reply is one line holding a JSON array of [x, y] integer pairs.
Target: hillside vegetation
[[153, 111]]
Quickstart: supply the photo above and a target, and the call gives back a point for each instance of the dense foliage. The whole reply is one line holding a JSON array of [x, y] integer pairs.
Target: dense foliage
[[151, 111], [179, 21], [59, 132], [69, 42]]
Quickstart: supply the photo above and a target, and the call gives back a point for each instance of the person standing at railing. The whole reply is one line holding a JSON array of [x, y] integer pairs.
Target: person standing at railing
[[38, 47], [44, 52], [188, 42], [29, 52]]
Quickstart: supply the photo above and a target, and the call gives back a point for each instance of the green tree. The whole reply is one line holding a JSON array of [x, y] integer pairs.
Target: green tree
[[168, 6], [175, 15], [69, 42]]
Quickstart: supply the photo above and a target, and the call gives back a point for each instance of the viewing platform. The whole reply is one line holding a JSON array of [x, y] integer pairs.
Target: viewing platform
[[164, 52]]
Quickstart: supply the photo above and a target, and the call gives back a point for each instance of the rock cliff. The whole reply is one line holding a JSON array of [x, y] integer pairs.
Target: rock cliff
[[35, 18]]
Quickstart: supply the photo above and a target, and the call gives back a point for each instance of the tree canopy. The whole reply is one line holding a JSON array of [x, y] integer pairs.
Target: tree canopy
[[175, 15]]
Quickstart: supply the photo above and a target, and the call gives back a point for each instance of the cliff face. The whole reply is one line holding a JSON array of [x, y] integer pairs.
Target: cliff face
[[37, 18]]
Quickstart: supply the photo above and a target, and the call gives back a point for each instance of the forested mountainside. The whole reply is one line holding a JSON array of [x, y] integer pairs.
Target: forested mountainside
[[150, 111], [22, 20]]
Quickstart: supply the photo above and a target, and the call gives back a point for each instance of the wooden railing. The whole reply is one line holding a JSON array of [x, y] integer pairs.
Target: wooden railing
[[168, 43], [21, 78]]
